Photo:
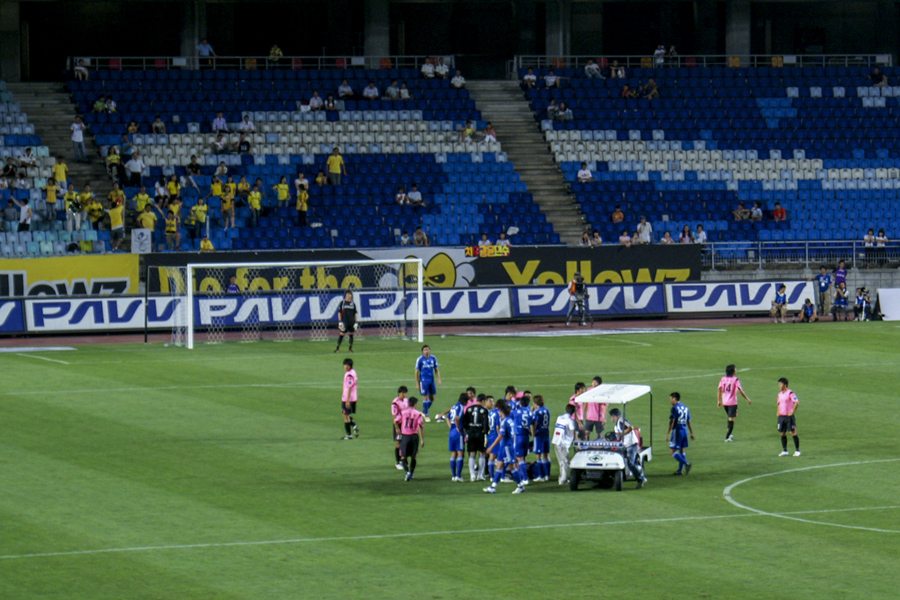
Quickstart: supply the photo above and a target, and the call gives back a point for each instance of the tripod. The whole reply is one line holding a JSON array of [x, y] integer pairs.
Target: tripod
[[578, 305]]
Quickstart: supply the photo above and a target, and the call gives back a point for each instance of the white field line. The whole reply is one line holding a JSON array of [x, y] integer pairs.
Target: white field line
[[387, 536], [62, 362], [728, 496]]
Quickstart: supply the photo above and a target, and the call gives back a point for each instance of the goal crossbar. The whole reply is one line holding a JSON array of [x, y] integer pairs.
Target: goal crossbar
[[191, 267]]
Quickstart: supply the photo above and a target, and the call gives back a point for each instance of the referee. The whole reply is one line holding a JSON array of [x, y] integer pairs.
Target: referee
[[346, 321]]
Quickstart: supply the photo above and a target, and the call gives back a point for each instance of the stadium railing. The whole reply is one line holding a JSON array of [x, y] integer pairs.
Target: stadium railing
[[525, 61], [142, 63], [805, 254]]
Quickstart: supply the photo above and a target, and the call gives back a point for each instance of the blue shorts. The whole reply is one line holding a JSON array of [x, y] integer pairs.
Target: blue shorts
[[491, 439], [506, 454], [522, 446], [456, 442], [679, 439], [542, 443], [428, 388]]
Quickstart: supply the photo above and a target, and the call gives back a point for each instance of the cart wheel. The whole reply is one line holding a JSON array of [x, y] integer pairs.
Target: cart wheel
[[617, 481], [574, 479]]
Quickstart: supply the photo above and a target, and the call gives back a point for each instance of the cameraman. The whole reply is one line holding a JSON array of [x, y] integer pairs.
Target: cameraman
[[577, 295]]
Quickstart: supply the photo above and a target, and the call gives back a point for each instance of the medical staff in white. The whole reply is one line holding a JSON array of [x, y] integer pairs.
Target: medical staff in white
[[563, 438], [627, 434]]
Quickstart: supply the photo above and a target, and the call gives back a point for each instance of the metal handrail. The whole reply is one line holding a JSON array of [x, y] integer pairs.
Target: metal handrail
[[808, 254], [713, 60], [141, 63]]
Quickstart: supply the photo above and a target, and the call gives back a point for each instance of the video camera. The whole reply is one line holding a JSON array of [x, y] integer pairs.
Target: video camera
[[579, 288]]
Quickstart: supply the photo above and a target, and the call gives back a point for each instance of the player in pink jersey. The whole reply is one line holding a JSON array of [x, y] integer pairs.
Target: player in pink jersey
[[787, 404], [348, 400], [595, 414], [398, 405], [729, 387], [411, 432], [579, 410]]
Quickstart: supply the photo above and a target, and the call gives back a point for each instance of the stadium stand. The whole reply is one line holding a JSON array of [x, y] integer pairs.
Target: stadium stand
[[821, 141], [468, 187]]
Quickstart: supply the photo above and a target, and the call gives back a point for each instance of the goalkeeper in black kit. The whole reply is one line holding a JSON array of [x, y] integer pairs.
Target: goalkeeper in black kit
[[347, 324]]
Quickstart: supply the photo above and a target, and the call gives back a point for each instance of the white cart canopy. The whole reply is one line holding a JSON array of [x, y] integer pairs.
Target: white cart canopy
[[613, 393]]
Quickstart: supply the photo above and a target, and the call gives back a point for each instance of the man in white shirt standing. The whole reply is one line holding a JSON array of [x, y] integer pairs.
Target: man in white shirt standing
[[563, 438], [659, 56], [247, 125], [627, 434], [645, 231], [135, 167], [78, 128], [441, 70]]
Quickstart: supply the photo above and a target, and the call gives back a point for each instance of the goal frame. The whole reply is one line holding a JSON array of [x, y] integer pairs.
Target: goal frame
[[190, 267]]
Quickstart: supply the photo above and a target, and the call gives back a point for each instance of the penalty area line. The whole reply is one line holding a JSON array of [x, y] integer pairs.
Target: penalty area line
[[388, 536], [53, 360]]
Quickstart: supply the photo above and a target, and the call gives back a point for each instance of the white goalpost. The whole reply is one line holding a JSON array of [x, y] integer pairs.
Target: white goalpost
[[281, 301]]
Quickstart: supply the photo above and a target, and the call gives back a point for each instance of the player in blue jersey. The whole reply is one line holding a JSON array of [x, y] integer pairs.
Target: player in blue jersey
[[428, 377], [494, 418], [457, 442], [779, 304], [523, 428], [541, 446], [504, 448], [679, 427]]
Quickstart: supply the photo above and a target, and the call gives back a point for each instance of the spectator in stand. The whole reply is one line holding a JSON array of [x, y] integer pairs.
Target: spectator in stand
[[173, 188], [502, 240], [617, 72], [467, 134], [141, 200], [114, 164], [878, 78], [552, 109], [484, 241], [529, 80], [255, 202], [78, 129], [415, 196], [370, 92], [441, 71], [275, 55], [10, 169], [52, 192], [4, 184], [405, 94], [564, 113], [173, 236], [11, 216], [627, 92], [659, 57], [147, 220], [686, 237], [427, 69], [243, 189], [584, 174], [25, 214], [229, 191], [206, 245], [585, 240], [618, 216], [336, 167], [158, 126], [667, 238], [116, 196], [92, 207], [392, 92], [779, 214], [100, 105], [161, 193], [673, 55], [132, 128], [244, 146], [881, 240], [490, 134], [61, 172], [321, 179], [741, 213], [193, 169], [756, 213], [126, 150], [644, 232], [344, 91], [315, 101], [111, 105], [301, 186], [116, 212], [405, 240], [624, 238], [221, 170], [206, 53], [596, 239], [221, 145], [650, 91], [219, 125], [246, 125], [282, 192], [458, 81], [869, 239], [592, 70], [81, 71], [330, 104], [134, 168], [420, 238], [400, 197], [22, 183], [551, 80], [841, 301], [27, 161], [198, 215]]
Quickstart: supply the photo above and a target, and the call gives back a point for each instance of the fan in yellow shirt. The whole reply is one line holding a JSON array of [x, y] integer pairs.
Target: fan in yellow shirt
[[228, 205], [116, 224], [141, 200], [243, 188], [92, 207], [302, 186], [283, 192], [173, 187], [215, 188], [336, 167], [206, 245], [255, 201], [60, 172], [147, 219], [116, 196], [175, 207], [173, 237], [51, 190], [198, 214], [74, 209]]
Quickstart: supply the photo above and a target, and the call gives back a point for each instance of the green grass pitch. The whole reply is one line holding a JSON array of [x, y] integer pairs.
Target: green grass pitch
[[139, 472]]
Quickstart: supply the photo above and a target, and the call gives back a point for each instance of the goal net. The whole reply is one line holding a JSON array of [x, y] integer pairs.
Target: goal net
[[283, 301]]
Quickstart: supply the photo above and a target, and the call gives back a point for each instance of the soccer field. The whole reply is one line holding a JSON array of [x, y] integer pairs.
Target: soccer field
[[131, 471]]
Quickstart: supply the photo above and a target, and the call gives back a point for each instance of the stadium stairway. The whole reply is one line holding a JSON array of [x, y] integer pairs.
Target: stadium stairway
[[501, 104], [51, 111]]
